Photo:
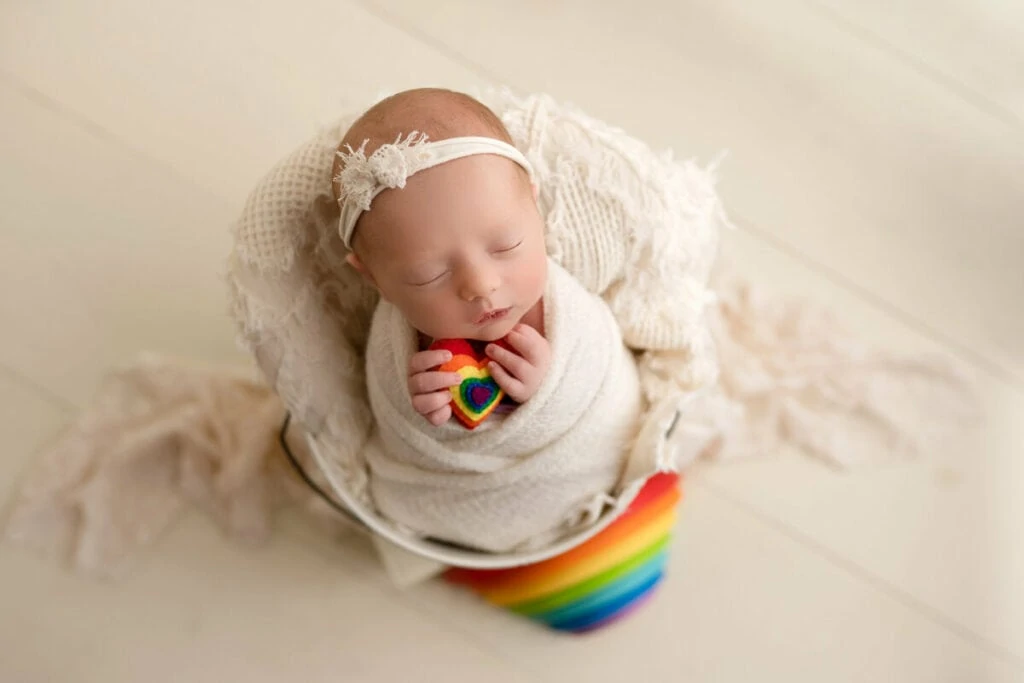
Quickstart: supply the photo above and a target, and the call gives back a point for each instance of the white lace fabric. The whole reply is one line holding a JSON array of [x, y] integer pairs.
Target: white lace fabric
[[362, 178]]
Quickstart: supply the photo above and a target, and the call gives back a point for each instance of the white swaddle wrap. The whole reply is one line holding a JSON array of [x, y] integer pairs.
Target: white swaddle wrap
[[521, 480]]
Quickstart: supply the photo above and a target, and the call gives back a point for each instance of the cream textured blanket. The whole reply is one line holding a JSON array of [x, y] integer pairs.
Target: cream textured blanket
[[631, 225], [522, 480]]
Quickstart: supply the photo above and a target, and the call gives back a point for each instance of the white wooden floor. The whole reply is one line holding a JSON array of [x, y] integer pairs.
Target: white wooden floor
[[876, 164]]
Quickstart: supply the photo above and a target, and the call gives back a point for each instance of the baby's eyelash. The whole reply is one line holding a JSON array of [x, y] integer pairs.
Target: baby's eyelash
[[517, 244], [430, 281]]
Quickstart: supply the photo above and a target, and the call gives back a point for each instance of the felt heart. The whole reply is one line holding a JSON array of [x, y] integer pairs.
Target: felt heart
[[478, 394]]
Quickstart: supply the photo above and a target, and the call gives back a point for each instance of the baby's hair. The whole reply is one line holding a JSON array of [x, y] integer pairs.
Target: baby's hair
[[439, 113]]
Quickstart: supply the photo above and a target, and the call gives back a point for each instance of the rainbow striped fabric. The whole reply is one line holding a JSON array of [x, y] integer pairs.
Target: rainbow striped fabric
[[597, 582]]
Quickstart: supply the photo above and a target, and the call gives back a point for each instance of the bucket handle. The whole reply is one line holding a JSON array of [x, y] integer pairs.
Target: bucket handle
[[301, 471]]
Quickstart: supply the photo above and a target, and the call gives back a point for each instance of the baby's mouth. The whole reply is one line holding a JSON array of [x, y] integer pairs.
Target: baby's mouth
[[493, 315]]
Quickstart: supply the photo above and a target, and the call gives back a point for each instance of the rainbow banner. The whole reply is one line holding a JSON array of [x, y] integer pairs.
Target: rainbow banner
[[597, 582]]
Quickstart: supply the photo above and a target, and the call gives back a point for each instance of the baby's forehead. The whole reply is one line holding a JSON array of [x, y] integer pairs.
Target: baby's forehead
[[480, 200]]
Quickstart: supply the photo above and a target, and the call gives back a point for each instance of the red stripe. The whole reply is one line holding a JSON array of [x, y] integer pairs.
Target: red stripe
[[657, 488]]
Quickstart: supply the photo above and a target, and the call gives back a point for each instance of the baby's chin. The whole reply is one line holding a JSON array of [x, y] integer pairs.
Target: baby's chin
[[492, 337]]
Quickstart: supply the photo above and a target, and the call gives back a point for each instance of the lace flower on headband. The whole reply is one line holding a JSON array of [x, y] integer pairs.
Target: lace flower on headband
[[387, 167], [362, 178]]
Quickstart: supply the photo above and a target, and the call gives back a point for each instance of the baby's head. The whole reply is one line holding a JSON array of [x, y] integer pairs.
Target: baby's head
[[459, 250]]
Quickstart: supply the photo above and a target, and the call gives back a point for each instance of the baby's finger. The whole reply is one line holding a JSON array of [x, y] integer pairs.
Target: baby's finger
[[528, 342], [426, 360], [509, 384], [426, 382], [425, 404], [440, 416], [514, 364]]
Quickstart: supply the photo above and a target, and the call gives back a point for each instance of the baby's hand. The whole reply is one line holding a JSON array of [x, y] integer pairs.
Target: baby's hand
[[520, 374], [429, 388]]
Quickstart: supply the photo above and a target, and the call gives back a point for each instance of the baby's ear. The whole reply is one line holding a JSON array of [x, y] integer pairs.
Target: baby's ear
[[357, 263]]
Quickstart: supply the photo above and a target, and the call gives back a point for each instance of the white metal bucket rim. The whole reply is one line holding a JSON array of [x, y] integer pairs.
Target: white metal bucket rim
[[459, 557]]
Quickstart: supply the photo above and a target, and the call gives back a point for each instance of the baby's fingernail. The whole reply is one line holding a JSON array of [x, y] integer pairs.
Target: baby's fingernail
[[447, 355]]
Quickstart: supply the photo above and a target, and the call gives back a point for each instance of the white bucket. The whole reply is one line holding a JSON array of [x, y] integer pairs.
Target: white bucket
[[452, 555]]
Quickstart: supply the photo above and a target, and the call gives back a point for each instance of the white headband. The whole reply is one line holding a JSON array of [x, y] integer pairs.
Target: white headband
[[362, 179]]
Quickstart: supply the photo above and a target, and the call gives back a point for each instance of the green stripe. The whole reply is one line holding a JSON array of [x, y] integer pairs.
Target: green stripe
[[594, 583], [616, 593]]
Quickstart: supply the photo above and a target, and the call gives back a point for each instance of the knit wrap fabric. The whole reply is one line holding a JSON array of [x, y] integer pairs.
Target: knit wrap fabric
[[519, 481]]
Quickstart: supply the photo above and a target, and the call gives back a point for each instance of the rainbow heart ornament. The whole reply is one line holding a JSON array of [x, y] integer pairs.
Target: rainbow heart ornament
[[478, 395]]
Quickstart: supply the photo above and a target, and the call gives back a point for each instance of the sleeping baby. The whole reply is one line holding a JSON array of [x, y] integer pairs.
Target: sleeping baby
[[439, 211], [460, 249]]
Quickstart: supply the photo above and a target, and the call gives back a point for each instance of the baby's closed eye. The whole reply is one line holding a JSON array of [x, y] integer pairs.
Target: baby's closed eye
[[426, 279], [508, 245]]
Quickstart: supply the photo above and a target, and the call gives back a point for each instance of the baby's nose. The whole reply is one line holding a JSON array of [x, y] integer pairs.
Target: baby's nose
[[479, 282]]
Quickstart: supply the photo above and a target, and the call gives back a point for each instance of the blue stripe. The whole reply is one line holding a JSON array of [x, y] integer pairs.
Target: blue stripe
[[611, 610], [609, 599]]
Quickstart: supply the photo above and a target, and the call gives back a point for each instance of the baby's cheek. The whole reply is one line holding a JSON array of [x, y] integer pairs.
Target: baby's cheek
[[435, 316], [536, 274]]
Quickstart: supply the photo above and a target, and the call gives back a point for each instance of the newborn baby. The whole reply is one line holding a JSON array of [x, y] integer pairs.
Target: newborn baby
[[459, 250], [440, 213]]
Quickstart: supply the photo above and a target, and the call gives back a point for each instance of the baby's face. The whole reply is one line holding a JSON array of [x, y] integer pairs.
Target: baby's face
[[460, 250]]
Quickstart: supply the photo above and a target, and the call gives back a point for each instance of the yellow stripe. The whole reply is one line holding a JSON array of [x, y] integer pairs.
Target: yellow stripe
[[586, 568]]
